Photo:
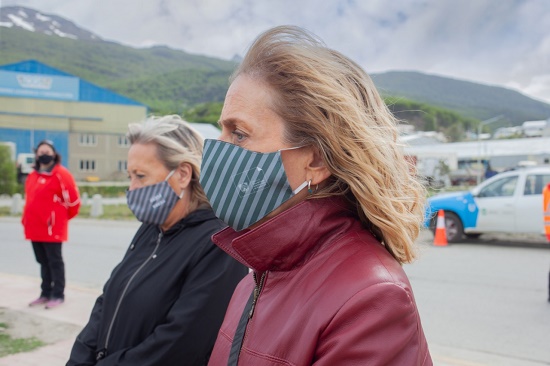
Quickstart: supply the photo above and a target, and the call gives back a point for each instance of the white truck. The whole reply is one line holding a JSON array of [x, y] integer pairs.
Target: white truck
[[24, 162], [534, 128], [25, 165]]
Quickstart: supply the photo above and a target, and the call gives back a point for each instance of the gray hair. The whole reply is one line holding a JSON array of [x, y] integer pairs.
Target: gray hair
[[177, 142]]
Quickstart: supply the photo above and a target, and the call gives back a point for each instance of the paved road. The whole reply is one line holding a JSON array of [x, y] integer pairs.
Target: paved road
[[480, 304], [485, 304], [93, 249]]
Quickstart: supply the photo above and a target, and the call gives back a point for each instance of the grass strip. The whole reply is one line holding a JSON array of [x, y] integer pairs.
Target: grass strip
[[9, 345]]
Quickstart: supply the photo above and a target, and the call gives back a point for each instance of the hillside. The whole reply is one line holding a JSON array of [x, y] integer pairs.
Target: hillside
[[31, 20], [423, 117], [158, 76], [173, 81], [469, 99]]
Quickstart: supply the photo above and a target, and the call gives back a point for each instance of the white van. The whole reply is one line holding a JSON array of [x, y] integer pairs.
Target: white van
[[533, 128], [25, 164]]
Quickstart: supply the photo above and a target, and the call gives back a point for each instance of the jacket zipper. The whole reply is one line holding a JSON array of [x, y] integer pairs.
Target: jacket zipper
[[152, 256], [257, 290], [242, 327]]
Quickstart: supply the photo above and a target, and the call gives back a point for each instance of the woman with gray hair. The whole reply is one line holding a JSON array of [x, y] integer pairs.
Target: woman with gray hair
[[165, 301], [321, 204]]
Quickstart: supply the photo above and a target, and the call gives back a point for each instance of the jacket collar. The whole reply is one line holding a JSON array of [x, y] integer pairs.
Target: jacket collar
[[193, 218], [290, 238], [54, 168]]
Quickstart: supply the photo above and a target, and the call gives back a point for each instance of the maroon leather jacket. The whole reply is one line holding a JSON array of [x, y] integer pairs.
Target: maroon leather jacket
[[331, 294]]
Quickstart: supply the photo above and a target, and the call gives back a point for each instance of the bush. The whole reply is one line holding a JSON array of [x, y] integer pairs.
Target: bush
[[8, 176]]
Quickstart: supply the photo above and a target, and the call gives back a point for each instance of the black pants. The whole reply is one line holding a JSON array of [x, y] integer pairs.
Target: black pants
[[52, 269]]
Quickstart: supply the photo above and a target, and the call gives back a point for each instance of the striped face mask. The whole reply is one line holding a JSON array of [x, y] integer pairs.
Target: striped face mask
[[152, 204], [243, 186]]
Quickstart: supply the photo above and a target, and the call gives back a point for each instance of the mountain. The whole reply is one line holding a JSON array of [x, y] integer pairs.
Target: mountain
[[19, 17], [173, 81], [167, 80], [467, 98]]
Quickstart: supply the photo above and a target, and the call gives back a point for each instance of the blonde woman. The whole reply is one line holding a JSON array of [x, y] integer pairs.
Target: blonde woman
[[321, 205], [165, 301]]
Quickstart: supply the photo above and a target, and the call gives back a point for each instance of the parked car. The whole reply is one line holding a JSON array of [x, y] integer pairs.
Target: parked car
[[25, 165], [468, 172], [509, 202]]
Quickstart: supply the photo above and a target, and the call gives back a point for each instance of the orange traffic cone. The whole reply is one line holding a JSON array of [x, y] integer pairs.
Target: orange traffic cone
[[440, 237]]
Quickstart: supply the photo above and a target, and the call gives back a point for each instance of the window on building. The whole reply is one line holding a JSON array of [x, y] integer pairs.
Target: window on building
[[123, 141], [87, 139], [87, 165], [122, 165]]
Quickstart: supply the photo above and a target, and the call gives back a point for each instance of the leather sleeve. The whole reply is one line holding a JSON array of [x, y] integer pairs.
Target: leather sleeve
[[380, 325]]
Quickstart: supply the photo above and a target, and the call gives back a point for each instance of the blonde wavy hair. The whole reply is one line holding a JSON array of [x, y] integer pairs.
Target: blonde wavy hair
[[177, 142], [329, 102]]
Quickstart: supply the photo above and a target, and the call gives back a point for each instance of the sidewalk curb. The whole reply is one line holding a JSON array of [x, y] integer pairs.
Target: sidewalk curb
[[19, 290]]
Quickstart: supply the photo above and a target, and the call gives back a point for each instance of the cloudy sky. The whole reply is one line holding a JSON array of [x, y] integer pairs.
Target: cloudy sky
[[497, 42]]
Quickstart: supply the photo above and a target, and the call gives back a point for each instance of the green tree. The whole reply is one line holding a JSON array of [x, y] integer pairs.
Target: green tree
[[204, 113], [455, 133], [425, 117], [429, 123], [8, 183]]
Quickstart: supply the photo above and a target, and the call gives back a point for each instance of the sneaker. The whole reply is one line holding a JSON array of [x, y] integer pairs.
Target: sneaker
[[54, 303], [40, 301]]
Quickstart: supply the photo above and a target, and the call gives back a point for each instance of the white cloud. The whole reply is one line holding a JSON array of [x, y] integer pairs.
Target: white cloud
[[502, 42]]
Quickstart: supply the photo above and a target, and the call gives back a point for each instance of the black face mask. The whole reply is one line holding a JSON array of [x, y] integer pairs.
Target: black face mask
[[45, 159]]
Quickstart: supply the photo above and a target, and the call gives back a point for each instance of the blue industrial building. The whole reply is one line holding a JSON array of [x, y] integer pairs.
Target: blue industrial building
[[87, 123]]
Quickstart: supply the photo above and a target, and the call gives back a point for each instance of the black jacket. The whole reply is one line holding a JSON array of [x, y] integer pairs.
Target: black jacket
[[173, 289]]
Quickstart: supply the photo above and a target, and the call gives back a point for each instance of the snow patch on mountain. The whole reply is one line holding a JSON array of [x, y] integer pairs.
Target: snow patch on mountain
[[19, 22], [18, 17]]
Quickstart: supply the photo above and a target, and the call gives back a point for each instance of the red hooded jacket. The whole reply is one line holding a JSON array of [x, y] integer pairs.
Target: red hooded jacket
[[51, 199], [331, 294]]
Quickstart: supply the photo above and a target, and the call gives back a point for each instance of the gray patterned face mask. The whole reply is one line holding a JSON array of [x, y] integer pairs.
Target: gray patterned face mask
[[243, 186], [152, 204]]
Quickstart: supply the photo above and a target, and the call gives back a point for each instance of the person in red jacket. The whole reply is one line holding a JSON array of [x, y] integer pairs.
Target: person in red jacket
[[51, 200], [321, 205]]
